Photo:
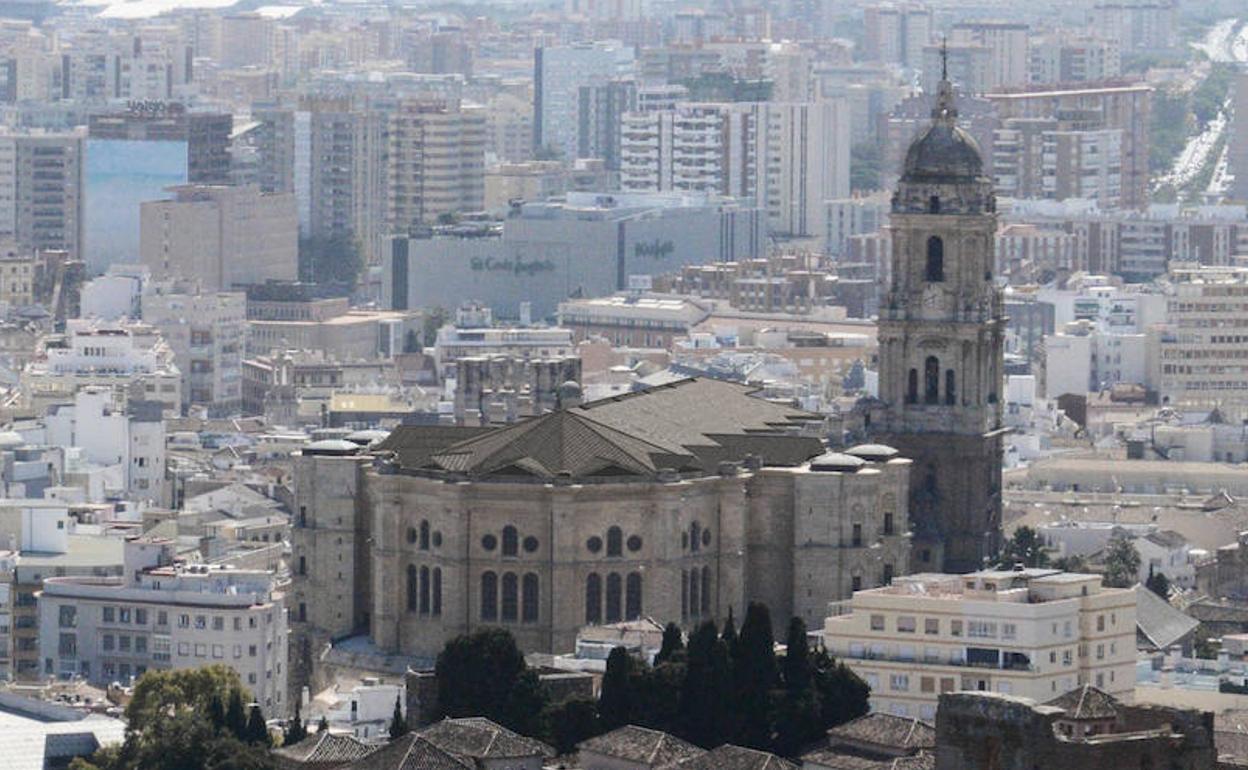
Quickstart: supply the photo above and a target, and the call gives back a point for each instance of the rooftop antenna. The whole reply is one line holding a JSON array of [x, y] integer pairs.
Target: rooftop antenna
[[944, 57]]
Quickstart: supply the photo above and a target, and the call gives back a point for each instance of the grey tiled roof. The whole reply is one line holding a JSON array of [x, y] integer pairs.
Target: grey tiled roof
[[412, 752], [729, 757], [1086, 702], [326, 748], [830, 759], [1160, 623], [887, 731], [480, 738], [643, 745], [691, 425]]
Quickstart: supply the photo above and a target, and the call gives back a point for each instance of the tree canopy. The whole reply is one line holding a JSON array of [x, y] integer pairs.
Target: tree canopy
[[1122, 563], [484, 674], [1025, 547]]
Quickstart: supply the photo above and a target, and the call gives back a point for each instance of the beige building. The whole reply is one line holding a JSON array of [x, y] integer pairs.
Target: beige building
[[41, 190], [207, 333], [1200, 355], [1035, 633], [223, 237], [681, 503], [328, 325], [435, 163], [18, 272]]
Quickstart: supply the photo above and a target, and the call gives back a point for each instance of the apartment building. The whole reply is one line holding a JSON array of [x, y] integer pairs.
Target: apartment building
[[220, 237], [1124, 108], [1070, 58], [435, 163], [1047, 158], [207, 333], [1137, 25], [162, 615], [1007, 43], [1200, 355], [1035, 633], [786, 158], [41, 190], [205, 134], [1237, 142], [559, 72], [895, 33]]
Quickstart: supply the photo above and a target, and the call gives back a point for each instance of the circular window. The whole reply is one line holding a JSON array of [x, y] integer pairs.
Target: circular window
[[634, 543], [706, 537], [437, 539], [489, 542], [684, 540], [411, 534], [530, 544], [594, 544]]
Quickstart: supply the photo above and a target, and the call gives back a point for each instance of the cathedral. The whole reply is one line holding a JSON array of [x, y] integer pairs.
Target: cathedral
[[941, 327]]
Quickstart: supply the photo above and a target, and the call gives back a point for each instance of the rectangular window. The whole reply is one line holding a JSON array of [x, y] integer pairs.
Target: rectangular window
[[107, 642], [218, 623], [184, 648], [877, 622], [1100, 622], [162, 618], [899, 682], [981, 629], [931, 626], [927, 684], [123, 614], [110, 615], [1009, 631], [68, 616], [140, 616], [905, 624], [955, 627], [140, 644], [123, 643]]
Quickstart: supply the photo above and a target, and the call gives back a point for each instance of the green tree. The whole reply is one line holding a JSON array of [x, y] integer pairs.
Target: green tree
[[323, 725], [1158, 583], [706, 713], [236, 714], [398, 724], [756, 678], [434, 319], [799, 718], [729, 634], [864, 167], [1122, 562], [411, 342], [216, 712], [330, 260], [484, 674], [571, 722], [1024, 547], [673, 644], [656, 693], [1073, 563], [615, 702], [257, 731], [295, 729], [160, 693], [843, 695]]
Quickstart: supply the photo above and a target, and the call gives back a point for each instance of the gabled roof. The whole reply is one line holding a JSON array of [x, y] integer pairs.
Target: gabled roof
[[888, 731], [412, 752], [1166, 538], [479, 738], [1159, 622], [1086, 702], [729, 757], [687, 426], [652, 748], [326, 748]]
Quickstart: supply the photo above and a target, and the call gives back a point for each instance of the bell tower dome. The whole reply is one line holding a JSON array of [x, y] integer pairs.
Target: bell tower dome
[[941, 332]]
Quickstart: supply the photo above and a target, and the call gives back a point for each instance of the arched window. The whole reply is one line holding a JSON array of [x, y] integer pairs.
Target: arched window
[[614, 614], [931, 380], [529, 592], [412, 583], [424, 590], [912, 387], [437, 590], [695, 536], [706, 591], [424, 536], [684, 594], [694, 604], [511, 541], [593, 598], [935, 260], [615, 542], [951, 387], [511, 597], [489, 596], [632, 596]]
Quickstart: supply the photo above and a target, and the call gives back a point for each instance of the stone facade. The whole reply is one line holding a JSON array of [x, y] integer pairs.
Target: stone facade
[[980, 731], [413, 556], [941, 334]]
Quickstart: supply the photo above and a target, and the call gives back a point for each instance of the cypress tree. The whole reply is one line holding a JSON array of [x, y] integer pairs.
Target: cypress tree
[[295, 730], [615, 703], [697, 695], [755, 674], [798, 718], [796, 666], [236, 715], [323, 725], [730, 634], [256, 732], [673, 643], [216, 712], [398, 725]]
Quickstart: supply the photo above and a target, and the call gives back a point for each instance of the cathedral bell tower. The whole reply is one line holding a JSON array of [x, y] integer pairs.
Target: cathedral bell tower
[[941, 327]]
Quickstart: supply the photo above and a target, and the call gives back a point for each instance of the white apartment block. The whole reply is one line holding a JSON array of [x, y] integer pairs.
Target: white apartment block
[[1082, 358], [786, 158], [208, 335], [1035, 633], [160, 616], [133, 439], [131, 359], [844, 218]]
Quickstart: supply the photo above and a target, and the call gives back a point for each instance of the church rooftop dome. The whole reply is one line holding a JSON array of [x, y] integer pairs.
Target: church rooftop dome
[[943, 151]]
